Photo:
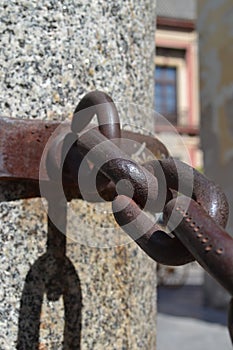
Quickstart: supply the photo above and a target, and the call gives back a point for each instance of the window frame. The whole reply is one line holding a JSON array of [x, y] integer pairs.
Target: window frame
[[182, 85], [165, 82]]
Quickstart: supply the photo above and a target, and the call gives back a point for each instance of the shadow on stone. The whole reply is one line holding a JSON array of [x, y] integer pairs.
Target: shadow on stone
[[47, 276]]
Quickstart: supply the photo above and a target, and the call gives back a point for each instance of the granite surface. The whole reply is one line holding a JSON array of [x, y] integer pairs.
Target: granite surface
[[52, 53]]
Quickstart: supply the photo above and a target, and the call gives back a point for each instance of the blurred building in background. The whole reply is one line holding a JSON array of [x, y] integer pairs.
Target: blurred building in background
[[177, 79], [215, 28]]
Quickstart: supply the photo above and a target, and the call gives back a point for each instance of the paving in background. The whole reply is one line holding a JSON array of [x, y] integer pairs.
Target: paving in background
[[190, 334], [184, 322]]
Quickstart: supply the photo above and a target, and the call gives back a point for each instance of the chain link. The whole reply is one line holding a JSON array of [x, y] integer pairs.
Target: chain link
[[194, 208]]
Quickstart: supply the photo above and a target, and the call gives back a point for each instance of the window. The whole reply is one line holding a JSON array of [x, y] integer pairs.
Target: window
[[166, 92]]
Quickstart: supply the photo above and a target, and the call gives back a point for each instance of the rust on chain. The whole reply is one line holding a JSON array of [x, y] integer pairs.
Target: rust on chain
[[21, 165], [214, 203], [117, 165], [194, 208], [208, 242], [148, 235], [200, 231], [204, 191], [198, 227], [99, 103]]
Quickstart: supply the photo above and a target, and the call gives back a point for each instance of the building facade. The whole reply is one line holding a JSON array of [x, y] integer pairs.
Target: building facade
[[177, 79]]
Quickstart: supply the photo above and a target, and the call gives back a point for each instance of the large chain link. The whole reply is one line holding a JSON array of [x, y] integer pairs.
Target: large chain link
[[197, 218]]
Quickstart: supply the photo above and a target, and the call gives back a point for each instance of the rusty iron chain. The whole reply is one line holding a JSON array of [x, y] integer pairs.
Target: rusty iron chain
[[197, 219], [194, 208]]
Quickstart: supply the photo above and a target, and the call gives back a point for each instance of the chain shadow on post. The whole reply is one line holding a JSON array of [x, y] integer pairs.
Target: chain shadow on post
[[31, 303], [52, 274]]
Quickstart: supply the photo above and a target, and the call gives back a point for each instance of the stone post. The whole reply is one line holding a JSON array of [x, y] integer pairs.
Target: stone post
[[216, 30], [51, 54]]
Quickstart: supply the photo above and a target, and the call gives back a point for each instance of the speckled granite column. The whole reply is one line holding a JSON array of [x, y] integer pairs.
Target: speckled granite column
[[216, 52], [52, 52]]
